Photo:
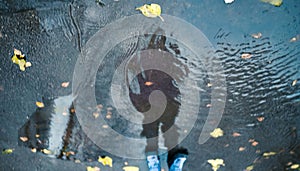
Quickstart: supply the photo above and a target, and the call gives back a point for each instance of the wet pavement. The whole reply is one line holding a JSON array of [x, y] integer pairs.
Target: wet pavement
[[262, 103]]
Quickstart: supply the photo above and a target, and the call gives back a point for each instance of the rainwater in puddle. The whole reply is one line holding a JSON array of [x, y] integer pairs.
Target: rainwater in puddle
[[262, 102]]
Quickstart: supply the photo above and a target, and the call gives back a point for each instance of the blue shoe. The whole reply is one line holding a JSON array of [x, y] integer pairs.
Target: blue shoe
[[178, 162], [153, 163]]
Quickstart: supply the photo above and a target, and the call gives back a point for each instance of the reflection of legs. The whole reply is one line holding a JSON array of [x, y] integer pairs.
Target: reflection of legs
[[150, 131], [169, 128]]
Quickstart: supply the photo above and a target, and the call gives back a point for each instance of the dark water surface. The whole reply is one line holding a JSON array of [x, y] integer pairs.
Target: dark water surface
[[52, 35]]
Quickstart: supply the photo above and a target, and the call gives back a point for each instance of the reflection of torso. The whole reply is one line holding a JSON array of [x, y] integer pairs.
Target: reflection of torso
[[159, 81]]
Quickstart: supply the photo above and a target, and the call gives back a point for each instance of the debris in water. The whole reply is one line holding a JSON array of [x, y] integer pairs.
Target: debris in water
[[218, 132], [105, 161], [268, 154], [65, 84], [228, 1], [256, 35], [24, 139], [20, 59], [7, 151], [294, 82], [90, 168], [276, 3], [246, 55], [152, 10], [130, 168], [40, 104], [216, 163]]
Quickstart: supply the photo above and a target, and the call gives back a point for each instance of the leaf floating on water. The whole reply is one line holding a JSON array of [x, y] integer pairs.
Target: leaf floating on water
[[236, 134], [19, 59], [294, 82], [218, 132], [89, 168], [152, 10], [40, 104], [33, 150], [260, 119], [216, 163], [7, 151], [105, 161], [246, 56], [295, 166], [250, 168], [46, 151], [65, 84], [130, 168], [276, 3], [268, 154], [24, 139], [256, 35], [228, 1], [148, 83]]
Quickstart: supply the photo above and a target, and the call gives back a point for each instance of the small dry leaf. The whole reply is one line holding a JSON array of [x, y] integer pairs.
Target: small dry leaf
[[208, 105], [77, 161], [216, 163], [108, 116], [37, 135], [256, 35], [236, 134], [24, 139], [148, 83], [96, 114], [276, 3], [295, 166], [90, 168], [260, 119], [294, 82], [209, 84], [249, 168], [28, 64], [294, 39], [46, 151], [7, 151], [33, 150], [254, 143], [242, 149], [65, 84], [40, 104], [104, 126], [246, 56], [125, 163], [105, 161], [267, 154], [218, 132], [130, 168], [109, 108]]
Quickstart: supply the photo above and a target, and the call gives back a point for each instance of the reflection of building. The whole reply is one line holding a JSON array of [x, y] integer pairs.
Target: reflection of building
[[55, 128]]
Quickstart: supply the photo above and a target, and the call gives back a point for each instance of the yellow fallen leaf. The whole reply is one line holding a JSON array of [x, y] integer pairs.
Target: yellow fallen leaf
[[256, 35], [40, 104], [267, 154], [216, 163], [249, 168], [105, 161], [130, 168], [276, 3], [19, 59], [89, 168], [294, 82], [218, 132], [24, 139], [295, 166], [46, 151], [65, 84], [33, 150], [7, 151], [152, 10]]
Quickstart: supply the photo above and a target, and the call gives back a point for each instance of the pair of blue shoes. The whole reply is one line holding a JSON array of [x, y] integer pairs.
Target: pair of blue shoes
[[177, 164]]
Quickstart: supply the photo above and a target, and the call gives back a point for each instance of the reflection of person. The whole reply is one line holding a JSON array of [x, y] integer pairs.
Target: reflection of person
[[141, 89]]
